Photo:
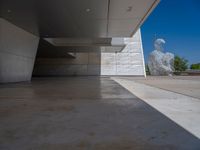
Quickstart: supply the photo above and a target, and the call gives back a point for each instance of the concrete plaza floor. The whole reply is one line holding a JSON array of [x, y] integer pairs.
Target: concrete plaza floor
[[84, 113], [177, 97], [186, 85]]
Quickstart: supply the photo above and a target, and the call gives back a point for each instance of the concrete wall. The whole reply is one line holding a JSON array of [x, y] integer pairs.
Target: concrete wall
[[17, 53], [130, 61], [83, 64]]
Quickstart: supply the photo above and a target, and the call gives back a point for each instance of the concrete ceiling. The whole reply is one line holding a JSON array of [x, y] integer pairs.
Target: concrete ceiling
[[78, 18], [79, 41], [48, 50], [109, 45]]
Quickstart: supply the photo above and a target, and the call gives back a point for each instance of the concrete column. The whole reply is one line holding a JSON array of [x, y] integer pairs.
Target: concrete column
[[17, 53]]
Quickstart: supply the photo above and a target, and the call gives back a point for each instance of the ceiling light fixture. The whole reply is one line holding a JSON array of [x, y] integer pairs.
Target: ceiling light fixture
[[88, 10], [129, 8]]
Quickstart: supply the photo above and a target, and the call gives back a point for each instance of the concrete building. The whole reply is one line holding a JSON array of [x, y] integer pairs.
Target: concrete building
[[84, 39], [72, 37]]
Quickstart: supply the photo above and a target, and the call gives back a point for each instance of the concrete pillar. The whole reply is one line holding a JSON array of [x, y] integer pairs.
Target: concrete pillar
[[17, 53]]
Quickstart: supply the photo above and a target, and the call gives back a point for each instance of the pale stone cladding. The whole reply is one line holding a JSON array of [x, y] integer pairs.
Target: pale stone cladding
[[130, 61], [82, 64], [17, 53]]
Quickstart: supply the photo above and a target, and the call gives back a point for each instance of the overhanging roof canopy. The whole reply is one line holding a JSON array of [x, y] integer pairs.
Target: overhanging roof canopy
[[78, 18]]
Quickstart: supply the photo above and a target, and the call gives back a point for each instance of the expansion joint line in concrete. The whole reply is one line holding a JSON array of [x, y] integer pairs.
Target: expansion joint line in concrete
[[167, 90]]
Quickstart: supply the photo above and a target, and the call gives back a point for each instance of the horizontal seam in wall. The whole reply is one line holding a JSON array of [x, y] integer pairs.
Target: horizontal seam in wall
[[27, 57], [66, 65], [124, 65]]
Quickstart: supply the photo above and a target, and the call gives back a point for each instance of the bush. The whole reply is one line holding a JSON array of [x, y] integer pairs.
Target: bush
[[147, 69], [180, 64], [195, 66]]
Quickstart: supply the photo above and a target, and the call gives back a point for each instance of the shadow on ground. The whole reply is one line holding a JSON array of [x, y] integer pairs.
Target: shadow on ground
[[84, 113]]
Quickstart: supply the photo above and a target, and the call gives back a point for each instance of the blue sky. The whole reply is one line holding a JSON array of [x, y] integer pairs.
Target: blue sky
[[178, 22]]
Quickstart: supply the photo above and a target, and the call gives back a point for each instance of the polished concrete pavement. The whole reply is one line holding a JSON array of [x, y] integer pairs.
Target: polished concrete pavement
[[175, 97], [84, 113]]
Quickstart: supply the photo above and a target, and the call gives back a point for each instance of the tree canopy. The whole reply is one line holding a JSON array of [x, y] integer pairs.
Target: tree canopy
[[195, 66], [180, 63]]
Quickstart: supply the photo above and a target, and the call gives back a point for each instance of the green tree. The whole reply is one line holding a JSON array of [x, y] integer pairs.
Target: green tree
[[180, 64], [195, 66], [147, 69]]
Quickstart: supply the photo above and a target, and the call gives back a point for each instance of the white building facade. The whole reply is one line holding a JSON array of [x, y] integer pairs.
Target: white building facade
[[130, 61]]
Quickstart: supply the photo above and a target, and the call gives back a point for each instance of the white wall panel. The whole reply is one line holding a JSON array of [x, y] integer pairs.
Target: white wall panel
[[130, 61]]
